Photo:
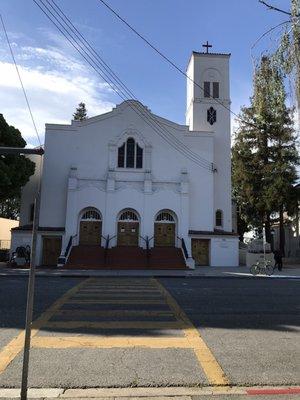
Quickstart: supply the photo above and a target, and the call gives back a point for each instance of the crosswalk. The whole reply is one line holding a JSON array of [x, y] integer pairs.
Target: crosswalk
[[104, 313]]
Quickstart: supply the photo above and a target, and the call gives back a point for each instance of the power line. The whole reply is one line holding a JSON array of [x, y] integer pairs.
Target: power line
[[138, 108], [127, 90], [207, 165], [169, 61], [20, 79], [81, 48]]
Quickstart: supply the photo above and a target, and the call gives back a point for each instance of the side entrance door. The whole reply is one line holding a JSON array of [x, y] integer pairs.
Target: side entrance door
[[51, 249], [200, 251], [128, 233], [90, 232], [164, 234]]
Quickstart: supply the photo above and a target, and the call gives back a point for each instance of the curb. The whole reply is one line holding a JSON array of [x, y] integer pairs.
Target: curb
[[151, 393], [146, 274]]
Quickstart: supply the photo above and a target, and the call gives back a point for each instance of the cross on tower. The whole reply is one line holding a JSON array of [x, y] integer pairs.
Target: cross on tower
[[207, 46]]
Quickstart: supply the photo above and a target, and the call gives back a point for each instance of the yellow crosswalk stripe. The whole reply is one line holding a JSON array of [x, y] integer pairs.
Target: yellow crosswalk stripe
[[105, 342], [117, 301], [115, 325], [15, 346], [114, 313], [210, 365]]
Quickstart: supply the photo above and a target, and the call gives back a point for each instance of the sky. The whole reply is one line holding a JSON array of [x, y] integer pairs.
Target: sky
[[57, 78]]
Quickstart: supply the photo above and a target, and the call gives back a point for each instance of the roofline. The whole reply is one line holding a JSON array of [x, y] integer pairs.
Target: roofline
[[202, 54]]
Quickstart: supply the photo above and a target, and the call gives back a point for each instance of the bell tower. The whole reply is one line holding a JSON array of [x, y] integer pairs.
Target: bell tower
[[208, 91], [208, 110]]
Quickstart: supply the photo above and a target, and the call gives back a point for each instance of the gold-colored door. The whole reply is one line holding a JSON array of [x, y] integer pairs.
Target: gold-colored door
[[90, 232], [51, 250], [200, 251], [128, 233], [164, 234]]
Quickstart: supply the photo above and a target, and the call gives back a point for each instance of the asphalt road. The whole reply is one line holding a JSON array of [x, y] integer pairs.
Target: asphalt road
[[248, 329]]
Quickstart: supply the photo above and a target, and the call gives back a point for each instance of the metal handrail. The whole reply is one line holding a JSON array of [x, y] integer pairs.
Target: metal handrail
[[183, 247], [145, 239], [152, 237], [109, 239], [69, 246]]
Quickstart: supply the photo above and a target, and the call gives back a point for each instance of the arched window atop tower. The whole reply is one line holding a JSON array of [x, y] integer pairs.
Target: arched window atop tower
[[219, 218], [130, 155]]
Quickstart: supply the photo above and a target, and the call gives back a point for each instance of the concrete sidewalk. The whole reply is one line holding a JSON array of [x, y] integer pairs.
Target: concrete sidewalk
[[156, 393], [288, 272]]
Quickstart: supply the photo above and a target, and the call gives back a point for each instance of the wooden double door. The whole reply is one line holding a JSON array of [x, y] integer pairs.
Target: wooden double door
[[200, 251], [128, 233], [164, 234], [51, 250], [90, 232]]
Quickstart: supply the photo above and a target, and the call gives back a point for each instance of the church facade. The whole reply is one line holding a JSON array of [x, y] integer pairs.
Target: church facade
[[131, 178]]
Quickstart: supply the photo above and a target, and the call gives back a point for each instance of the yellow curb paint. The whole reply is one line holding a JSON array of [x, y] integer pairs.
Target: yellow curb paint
[[115, 313], [115, 325], [63, 342], [15, 346], [208, 362]]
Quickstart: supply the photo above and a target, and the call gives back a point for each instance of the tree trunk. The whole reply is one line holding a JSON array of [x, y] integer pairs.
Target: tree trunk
[[281, 233], [268, 229]]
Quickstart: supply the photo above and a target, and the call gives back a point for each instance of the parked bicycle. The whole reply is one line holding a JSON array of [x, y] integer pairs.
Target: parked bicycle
[[263, 267]]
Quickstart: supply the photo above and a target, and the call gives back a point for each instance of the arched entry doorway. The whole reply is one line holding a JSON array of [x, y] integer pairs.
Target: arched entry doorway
[[165, 229], [90, 229], [128, 228]]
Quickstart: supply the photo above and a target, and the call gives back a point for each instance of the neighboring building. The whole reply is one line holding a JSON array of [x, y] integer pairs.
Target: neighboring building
[[291, 231], [5, 232], [115, 175]]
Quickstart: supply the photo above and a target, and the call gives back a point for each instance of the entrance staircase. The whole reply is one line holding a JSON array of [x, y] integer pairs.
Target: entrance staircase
[[125, 257]]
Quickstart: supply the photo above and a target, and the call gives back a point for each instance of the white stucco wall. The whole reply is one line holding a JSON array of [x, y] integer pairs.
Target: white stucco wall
[[213, 68], [80, 169], [88, 147], [30, 189], [224, 252]]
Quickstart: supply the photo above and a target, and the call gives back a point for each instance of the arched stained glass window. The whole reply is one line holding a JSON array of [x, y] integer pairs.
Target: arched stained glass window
[[129, 216], [130, 155], [91, 215], [165, 216]]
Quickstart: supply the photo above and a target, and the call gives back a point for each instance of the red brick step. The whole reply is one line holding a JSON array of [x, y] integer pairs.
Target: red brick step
[[125, 257]]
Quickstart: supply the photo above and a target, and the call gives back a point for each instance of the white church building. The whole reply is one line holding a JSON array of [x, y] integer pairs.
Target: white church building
[[130, 179]]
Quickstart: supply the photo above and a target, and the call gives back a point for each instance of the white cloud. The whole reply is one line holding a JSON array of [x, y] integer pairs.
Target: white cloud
[[55, 83]]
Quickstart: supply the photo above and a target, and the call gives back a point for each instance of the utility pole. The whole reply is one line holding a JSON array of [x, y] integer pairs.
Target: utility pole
[[30, 292]]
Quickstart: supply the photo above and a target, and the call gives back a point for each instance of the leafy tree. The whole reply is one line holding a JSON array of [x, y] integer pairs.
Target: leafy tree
[[287, 56], [10, 208], [14, 170], [80, 113], [264, 153]]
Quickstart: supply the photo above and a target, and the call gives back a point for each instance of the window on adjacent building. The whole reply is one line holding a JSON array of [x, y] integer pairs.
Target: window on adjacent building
[[215, 90], [219, 218], [206, 89], [130, 155]]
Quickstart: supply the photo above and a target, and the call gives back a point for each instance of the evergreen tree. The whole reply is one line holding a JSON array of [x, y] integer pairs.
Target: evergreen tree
[[80, 113], [14, 170], [264, 153]]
